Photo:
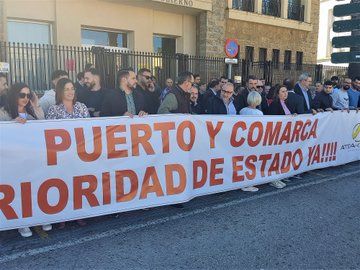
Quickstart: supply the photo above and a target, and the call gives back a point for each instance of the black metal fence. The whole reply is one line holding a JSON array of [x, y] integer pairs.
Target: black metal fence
[[33, 64]]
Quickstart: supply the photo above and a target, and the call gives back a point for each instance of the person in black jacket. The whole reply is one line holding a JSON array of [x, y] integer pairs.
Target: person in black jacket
[[280, 106], [196, 106], [212, 90], [147, 87], [251, 85], [223, 103], [3, 89], [323, 100], [302, 89], [124, 100]]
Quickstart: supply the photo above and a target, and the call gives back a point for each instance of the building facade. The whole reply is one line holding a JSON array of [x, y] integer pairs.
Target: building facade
[[277, 30]]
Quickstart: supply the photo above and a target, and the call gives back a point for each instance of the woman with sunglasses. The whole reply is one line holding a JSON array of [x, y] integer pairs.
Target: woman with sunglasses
[[21, 105], [66, 107]]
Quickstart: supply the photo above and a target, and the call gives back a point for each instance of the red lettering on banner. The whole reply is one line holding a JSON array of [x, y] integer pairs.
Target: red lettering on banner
[[26, 203], [106, 189], [264, 159], [120, 176], [180, 135], [136, 139], [272, 133], [147, 188], [80, 144], [296, 133], [249, 163], [52, 147], [165, 128], [214, 171], [8, 198], [285, 137], [286, 162], [313, 130], [275, 164], [237, 168], [233, 139], [88, 192], [213, 131], [199, 164], [255, 141], [43, 192], [298, 153], [304, 134], [112, 141], [171, 189]]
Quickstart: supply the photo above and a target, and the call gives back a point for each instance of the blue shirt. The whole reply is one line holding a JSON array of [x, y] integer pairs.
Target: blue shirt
[[354, 97], [305, 94]]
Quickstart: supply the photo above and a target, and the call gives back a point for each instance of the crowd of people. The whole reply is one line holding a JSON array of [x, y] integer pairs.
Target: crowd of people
[[139, 95]]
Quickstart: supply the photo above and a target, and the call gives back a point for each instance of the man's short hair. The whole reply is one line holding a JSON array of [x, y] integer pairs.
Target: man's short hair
[[123, 73], [183, 77], [334, 78], [251, 77], [223, 77], [254, 98], [213, 83], [304, 76], [328, 83], [142, 70], [196, 75], [58, 73], [93, 71], [356, 78]]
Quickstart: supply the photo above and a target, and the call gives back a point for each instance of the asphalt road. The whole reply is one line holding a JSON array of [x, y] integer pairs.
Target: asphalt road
[[312, 223]]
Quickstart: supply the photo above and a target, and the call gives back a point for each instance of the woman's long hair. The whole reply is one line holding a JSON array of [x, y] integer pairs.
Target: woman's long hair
[[11, 105]]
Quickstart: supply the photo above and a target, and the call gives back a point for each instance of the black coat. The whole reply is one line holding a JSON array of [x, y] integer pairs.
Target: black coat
[[115, 103], [322, 101], [299, 92], [204, 99], [151, 99], [295, 103], [216, 106], [275, 108]]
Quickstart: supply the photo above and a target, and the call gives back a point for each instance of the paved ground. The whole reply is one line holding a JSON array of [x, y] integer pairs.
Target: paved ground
[[312, 223]]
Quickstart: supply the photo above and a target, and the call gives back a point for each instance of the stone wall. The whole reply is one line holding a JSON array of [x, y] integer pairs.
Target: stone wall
[[272, 37], [211, 30]]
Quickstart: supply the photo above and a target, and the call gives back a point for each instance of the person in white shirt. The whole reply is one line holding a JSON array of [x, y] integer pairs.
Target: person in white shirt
[[48, 99]]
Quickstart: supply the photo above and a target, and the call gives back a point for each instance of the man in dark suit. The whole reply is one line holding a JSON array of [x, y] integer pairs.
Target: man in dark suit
[[302, 89], [212, 90], [125, 100]]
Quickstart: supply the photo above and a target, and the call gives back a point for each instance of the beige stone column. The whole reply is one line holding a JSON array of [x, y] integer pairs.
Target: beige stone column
[[307, 11], [284, 8], [258, 6]]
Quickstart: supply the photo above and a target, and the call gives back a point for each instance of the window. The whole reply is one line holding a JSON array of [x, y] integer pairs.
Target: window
[[296, 10], [244, 5], [103, 38], [299, 60], [271, 7], [29, 32], [166, 45], [249, 53], [275, 58], [287, 60], [262, 54]]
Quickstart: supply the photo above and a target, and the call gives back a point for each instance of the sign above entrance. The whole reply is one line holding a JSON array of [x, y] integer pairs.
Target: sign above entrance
[[185, 3], [231, 48], [193, 4]]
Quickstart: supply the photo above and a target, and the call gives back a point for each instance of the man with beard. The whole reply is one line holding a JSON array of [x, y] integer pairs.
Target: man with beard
[[196, 106], [354, 93], [251, 85], [223, 103], [341, 98], [145, 85], [3, 89], [93, 96], [125, 100]]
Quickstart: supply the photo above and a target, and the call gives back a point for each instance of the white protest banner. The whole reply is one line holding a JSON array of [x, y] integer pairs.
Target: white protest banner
[[58, 170]]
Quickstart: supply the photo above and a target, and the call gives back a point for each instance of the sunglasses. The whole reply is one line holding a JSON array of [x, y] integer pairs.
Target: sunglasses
[[147, 77], [259, 86], [23, 95]]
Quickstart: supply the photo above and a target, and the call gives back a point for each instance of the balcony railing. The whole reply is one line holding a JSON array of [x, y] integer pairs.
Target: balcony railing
[[271, 7], [296, 11], [244, 5]]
